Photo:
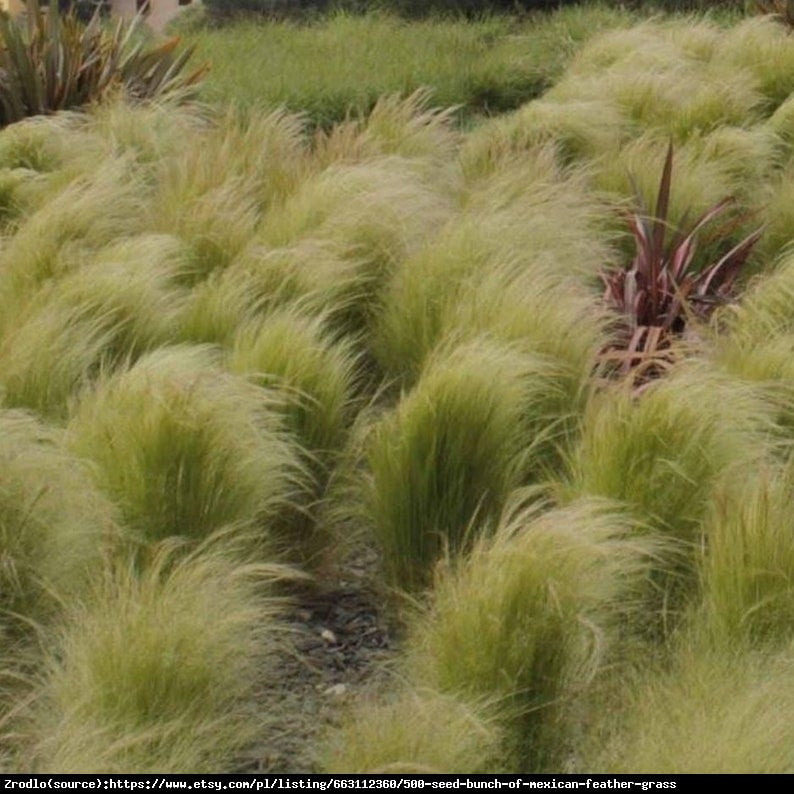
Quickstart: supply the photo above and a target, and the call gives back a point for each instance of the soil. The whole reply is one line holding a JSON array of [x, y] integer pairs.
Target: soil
[[339, 645]]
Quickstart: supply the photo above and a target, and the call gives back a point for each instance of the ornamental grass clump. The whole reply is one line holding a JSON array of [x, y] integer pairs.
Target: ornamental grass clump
[[375, 214], [54, 523], [75, 221], [777, 211], [417, 732], [369, 207], [724, 712], [536, 310], [665, 76], [214, 194], [149, 134], [217, 306], [530, 618], [183, 448], [636, 169], [102, 315], [404, 126], [781, 122], [661, 455], [524, 205], [507, 238], [215, 223], [444, 461], [747, 564], [579, 130], [752, 156], [410, 323], [266, 148], [678, 98], [294, 353], [31, 145], [766, 366], [539, 314], [154, 671], [757, 340], [764, 312], [312, 274], [761, 47]]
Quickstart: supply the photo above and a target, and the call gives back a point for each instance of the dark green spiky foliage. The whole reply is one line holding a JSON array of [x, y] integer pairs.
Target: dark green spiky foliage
[[51, 61]]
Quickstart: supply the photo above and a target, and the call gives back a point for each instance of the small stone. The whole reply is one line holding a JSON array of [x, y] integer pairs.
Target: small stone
[[328, 635], [337, 690]]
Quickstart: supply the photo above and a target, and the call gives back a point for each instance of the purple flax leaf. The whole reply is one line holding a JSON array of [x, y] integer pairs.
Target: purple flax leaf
[[729, 266]]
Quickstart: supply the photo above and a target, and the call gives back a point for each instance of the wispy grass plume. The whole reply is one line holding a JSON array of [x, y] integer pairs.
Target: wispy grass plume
[[215, 223], [54, 524], [538, 311], [183, 448], [580, 130], [105, 313], [375, 214], [456, 445], [747, 564], [761, 46], [416, 732], [82, 217], [530, 617], [32, 144], [314, 274], [147, 134], [294, 353], [767, 366], [777, 212], [765, 310], [781, 121], [152, 673], [752, 156], [269, 149], [698, 183], [736, 705], [662, 456], [404, 126], [508, 236]]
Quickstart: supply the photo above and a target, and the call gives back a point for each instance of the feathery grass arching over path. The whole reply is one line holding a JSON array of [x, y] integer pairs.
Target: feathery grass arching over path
[[230, 340], [152, 672]]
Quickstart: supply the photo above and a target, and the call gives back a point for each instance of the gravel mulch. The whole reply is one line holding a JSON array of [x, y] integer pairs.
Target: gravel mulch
[[340, 641]]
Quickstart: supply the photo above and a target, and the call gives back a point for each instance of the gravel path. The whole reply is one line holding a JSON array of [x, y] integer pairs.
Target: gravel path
[[340, 642]]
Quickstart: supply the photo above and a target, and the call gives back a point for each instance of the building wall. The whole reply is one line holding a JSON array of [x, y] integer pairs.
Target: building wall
[[161, 11], [12, 6]]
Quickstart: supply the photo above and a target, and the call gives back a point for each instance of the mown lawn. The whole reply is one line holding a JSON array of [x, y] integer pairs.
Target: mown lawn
[[345, 62]]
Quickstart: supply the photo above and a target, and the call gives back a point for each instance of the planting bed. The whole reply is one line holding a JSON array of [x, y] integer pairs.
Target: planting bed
[[327, 450]]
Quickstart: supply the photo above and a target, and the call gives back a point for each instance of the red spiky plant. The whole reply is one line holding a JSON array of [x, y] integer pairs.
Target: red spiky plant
[[661, 291]]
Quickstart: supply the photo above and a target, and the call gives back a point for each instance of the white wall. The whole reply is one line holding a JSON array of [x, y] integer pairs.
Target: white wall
[[162, 11]]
